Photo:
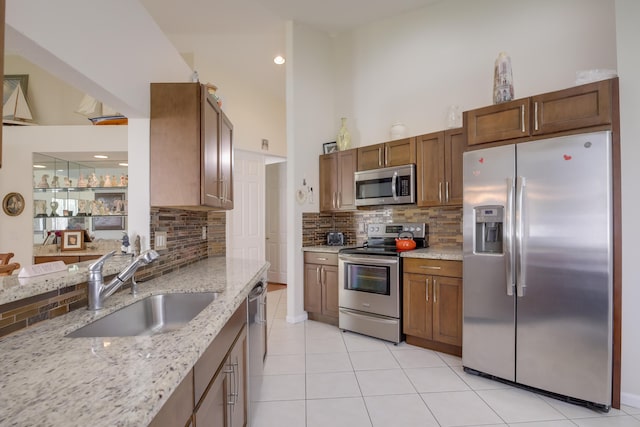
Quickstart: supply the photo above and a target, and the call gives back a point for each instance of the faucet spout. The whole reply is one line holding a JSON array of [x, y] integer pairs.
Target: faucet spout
[[99, 292]]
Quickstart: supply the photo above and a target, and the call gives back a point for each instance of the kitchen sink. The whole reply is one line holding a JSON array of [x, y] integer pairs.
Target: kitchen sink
[[152, 315]]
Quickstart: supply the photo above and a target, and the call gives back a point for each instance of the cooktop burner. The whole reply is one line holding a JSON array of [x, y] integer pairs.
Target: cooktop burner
[[381, 238]]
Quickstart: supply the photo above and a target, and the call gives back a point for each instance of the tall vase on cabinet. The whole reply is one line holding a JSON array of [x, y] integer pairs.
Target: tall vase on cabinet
[[344, 137]]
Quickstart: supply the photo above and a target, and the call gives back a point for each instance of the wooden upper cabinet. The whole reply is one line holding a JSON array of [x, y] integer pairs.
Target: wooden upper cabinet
[[337, 187], [393, 153], [439, 167], [574, 108], [191, 153], [498, 122]]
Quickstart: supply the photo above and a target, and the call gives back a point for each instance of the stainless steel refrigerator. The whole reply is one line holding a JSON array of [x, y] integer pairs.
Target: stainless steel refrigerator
[[538, 265]]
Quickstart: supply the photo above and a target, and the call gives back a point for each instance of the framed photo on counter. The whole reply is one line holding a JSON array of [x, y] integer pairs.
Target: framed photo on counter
[[72, 240], [329, 147]]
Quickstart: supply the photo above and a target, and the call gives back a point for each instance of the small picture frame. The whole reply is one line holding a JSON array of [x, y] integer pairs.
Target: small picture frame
[[13, 204], [72, 240], [113, 204], [329, 147]]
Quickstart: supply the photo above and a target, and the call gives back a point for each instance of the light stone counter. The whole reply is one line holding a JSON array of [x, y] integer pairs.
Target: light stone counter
[[12, 288], [435, 253], [50, 380], [324, 248]]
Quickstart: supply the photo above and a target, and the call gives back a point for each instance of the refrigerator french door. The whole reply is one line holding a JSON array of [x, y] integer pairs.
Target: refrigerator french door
[[538, 270]]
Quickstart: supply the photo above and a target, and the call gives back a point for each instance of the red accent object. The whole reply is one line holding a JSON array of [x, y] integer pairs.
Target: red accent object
[[567, 157], [481, 160]]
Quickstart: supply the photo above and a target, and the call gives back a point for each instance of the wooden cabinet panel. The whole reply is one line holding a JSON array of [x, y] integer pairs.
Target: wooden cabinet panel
[[191, 156], [447, 310], [330, 290], [312, 288], [455, 142], [432, 311], [320, 258], [213, 410], [371, 157], [393, 153], [417, 309], [430, 169], [508, 120], [337, 186], [574, 108]]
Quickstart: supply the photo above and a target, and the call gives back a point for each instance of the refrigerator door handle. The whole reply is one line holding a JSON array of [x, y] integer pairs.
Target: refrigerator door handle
[[520, 264], [508, 237]]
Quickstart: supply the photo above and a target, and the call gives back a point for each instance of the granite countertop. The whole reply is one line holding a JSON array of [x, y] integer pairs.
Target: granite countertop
[[324, 248], [449, 254], [13, 288], [50, 380]]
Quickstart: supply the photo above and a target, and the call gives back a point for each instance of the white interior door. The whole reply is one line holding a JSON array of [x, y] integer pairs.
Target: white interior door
[[245, 223], [276, 222]]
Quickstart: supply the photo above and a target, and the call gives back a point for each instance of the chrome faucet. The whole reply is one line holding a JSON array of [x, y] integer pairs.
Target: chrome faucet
[[98, 292]]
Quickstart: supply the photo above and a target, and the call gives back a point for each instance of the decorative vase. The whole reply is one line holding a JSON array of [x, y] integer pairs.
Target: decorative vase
[[344, 137], [398, 131], [502, 79], [54, 207]]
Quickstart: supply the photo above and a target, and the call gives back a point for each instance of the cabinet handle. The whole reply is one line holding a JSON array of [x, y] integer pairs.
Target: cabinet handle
[[535, 115], [339, 199], [446, 192], [322, 259], [236, 378], [440, 192], [431, 267], [318, 275], [427, 289], [435, 294], [333, 199], [324, 275], [522, 117], [386, 155], [380, 157]]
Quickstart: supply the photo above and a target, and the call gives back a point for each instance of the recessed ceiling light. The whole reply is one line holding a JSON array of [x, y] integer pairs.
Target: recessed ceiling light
[[101, 156], [279, 60], [39, 166], [123, 164]]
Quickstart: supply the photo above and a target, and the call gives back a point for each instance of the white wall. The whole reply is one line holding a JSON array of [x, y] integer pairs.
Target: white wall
[[256, 112], [628, 34], [19, 143], [412, 67], [310, 122]]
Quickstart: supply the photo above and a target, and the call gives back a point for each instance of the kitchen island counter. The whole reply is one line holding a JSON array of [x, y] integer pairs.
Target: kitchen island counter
[[51, 380]]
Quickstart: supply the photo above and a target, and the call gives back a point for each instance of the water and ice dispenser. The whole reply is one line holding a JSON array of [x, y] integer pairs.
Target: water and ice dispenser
[[489, 222]]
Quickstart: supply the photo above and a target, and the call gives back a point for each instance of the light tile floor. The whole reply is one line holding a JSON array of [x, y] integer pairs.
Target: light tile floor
[[318, 376]]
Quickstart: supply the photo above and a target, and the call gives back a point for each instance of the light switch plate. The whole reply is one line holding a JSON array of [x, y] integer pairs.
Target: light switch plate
[[161, 240]]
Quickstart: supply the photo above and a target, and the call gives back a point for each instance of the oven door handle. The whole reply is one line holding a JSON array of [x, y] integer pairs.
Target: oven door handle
[[369, 260]]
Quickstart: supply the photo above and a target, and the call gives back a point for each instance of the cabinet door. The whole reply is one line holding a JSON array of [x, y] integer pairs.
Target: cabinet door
[[237, 361], [329, 275], [210, 195], [447, 310], [417, 306], [312, 288], [214, 408], [400, 152], [499, 122], [371, 157], [455, 141], [176, 412], [347, 165], [226, 162], [328, 182], [574, 108], [430, 169]]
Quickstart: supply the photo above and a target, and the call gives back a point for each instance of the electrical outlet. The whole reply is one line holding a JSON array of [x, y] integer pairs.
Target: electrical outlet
[[161, 240], [204, 232]]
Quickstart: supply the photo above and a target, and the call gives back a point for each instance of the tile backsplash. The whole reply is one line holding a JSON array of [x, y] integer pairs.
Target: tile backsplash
[[445, 224]]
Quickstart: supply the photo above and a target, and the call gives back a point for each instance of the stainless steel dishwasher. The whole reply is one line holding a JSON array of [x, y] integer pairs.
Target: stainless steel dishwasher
[[257, 346]]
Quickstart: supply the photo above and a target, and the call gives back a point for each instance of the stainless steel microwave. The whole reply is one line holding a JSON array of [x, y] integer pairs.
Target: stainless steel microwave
[[387, 186]]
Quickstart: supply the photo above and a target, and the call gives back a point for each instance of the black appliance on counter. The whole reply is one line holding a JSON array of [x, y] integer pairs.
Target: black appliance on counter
[[369, 278]]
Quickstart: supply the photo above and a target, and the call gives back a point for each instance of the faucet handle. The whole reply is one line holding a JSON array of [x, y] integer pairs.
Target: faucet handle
[[97, 266]]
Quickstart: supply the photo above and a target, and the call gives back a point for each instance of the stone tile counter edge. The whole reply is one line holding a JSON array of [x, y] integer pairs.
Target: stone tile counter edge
[[51, 380], [435, 253]]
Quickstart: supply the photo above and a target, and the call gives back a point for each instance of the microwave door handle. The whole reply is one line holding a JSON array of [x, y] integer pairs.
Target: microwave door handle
[[394, 191]]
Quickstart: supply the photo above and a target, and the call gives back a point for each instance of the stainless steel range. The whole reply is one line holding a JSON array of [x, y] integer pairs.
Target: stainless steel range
[[369, 277]]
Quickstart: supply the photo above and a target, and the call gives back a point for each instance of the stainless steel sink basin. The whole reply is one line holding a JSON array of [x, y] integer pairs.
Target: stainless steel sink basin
[[152, 315]]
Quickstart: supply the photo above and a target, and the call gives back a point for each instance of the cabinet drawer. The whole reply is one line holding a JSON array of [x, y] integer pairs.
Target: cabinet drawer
[[434, 267], [320, 258]]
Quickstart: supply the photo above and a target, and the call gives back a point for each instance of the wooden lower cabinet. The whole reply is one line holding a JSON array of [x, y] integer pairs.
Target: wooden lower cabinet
[[214, 393], [321, 286], [432, 304], [67, 259]]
